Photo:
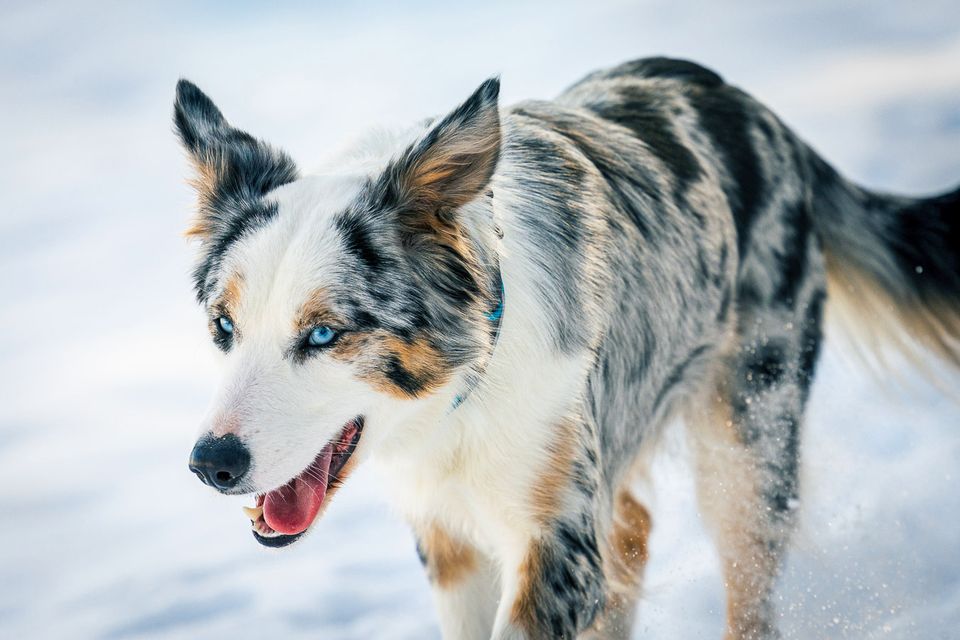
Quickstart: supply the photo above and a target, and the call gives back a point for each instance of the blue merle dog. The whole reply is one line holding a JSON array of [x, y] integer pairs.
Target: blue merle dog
[[503, 308]]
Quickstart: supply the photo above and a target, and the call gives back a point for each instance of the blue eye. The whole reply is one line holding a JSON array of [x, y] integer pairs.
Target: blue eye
[[225, 324], [321, 336]]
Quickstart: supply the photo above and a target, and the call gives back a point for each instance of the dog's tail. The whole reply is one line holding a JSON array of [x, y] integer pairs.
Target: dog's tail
[[893, 265]]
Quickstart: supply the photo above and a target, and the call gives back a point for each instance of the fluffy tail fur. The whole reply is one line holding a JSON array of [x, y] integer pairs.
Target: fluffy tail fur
[[893, 265]]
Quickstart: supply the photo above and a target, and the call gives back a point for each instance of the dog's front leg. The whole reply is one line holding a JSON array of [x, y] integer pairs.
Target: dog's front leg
[[557, 590], [466, 584], [555, 586]]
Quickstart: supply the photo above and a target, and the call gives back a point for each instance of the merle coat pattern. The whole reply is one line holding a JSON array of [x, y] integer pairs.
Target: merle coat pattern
[[658, 244]]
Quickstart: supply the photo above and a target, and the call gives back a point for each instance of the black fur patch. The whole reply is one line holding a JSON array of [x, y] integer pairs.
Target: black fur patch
[[925, 241], [636, 109], [402, 378], [766, 366], [726, 117], [674, 69], [783, 489], [811, 336], [725, 300], [792, 260], [357, 240]]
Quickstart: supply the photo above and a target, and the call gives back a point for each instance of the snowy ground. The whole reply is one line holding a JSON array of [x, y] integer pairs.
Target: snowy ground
[[105, 367]]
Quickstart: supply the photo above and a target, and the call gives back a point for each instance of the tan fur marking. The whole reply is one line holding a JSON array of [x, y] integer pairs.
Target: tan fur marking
[[229, 300], [204, 183], [431, 172], [449, 561], [429, 176], [232, 292], [351, 347], [624, 558], [553, 482], [628, 541], [198, 229], [315, 311], [418, 357], [524, 612]]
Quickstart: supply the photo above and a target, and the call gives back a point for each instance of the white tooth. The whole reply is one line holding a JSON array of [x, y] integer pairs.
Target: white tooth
[[253, 513]]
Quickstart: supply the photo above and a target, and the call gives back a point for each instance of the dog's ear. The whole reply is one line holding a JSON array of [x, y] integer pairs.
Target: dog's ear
[[199, 122], [232, 167], [454, 161]]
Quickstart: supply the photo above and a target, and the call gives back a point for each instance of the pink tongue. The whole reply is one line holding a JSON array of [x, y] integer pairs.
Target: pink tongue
[[291, 508]]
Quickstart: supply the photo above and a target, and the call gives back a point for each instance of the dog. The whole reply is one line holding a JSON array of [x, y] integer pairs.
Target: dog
[[504, 308]]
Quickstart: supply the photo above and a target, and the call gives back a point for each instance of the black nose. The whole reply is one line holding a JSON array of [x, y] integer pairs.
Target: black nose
[[220, 462]]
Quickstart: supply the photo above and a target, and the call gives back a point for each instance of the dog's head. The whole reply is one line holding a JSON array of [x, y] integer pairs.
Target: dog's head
[[347, 305]]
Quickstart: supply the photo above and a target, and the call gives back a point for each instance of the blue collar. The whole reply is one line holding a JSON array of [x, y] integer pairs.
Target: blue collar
[[495, 318]]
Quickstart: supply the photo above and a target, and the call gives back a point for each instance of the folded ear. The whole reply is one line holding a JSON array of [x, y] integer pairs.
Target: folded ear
[[454, 161], [232, 167]]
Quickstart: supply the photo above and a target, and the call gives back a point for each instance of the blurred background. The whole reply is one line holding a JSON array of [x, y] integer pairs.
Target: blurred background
[[105, 366]]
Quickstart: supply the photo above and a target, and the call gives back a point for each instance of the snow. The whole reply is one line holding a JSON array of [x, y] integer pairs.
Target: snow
[[106, 368]]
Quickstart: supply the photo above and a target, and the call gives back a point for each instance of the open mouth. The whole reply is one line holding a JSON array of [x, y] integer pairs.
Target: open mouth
[[281, 516]]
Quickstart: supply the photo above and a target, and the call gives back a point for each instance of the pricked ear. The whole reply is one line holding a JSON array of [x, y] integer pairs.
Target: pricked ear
[[232, 167], [455, 160], [197, 119]]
